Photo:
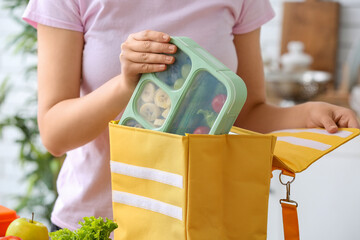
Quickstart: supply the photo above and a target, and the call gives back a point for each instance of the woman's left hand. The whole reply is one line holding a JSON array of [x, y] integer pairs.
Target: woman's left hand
[[330, 117]]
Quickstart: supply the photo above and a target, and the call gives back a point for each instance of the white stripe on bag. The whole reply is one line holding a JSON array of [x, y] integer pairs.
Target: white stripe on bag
[[148, 204], [305, 143], [147, 173], [341, 133]]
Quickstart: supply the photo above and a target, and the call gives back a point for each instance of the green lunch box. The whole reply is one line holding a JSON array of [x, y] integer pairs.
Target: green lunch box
[[196, 94]]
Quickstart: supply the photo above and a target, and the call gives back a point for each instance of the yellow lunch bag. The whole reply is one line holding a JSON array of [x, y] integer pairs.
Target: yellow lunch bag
[[194, 187]]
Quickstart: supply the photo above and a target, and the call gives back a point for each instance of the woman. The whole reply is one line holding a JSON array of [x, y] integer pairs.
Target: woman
[[91, 55]]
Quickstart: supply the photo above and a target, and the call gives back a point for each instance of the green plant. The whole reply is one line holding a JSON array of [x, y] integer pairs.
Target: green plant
[[41, 178], [91, 229]]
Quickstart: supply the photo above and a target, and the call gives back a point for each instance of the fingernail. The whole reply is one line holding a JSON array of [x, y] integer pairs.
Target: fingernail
[[172, 47], [168, 59], [165, 37], [333, 129]]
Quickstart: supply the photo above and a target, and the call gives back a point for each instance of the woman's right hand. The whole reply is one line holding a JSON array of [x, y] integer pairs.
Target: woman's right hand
[[145, 52]]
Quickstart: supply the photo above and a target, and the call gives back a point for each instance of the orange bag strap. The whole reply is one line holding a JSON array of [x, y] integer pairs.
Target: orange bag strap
[[289, 211], [290, 221]]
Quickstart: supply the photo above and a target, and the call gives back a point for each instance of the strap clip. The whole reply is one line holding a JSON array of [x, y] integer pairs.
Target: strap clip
[[287, 184]]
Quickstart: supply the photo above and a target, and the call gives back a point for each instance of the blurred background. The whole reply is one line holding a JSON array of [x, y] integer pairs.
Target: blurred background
[[311, 51], [28, 172], [321, 63]]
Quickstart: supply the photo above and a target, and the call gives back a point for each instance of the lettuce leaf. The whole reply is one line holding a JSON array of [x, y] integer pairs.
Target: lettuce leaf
[[63, 234], [98, 229], [91, 229]]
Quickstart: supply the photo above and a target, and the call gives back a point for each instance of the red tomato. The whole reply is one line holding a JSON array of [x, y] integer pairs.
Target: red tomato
[[202, 130], [10, 238], [218, 102]]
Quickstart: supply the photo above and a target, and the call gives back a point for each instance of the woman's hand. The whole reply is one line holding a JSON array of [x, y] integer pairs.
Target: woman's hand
[[145, 52], [61, 108], [330, 117]]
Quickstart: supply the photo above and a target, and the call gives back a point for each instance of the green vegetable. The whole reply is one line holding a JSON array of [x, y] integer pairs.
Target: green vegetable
[[198, 97], [64, 234], [91, 229], [187, 115], [210, 116]]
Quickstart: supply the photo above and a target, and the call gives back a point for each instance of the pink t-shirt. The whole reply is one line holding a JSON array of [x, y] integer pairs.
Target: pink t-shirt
[[84, 181]]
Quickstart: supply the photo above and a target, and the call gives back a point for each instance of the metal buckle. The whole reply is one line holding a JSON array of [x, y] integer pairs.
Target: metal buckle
[[288, 200]]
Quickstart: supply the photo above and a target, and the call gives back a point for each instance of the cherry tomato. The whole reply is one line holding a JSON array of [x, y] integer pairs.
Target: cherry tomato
[[10, 238], [202, 130], [218, 102]]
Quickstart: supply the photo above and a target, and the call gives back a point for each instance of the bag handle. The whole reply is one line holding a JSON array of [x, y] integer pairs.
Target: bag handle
[[289, 210]]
